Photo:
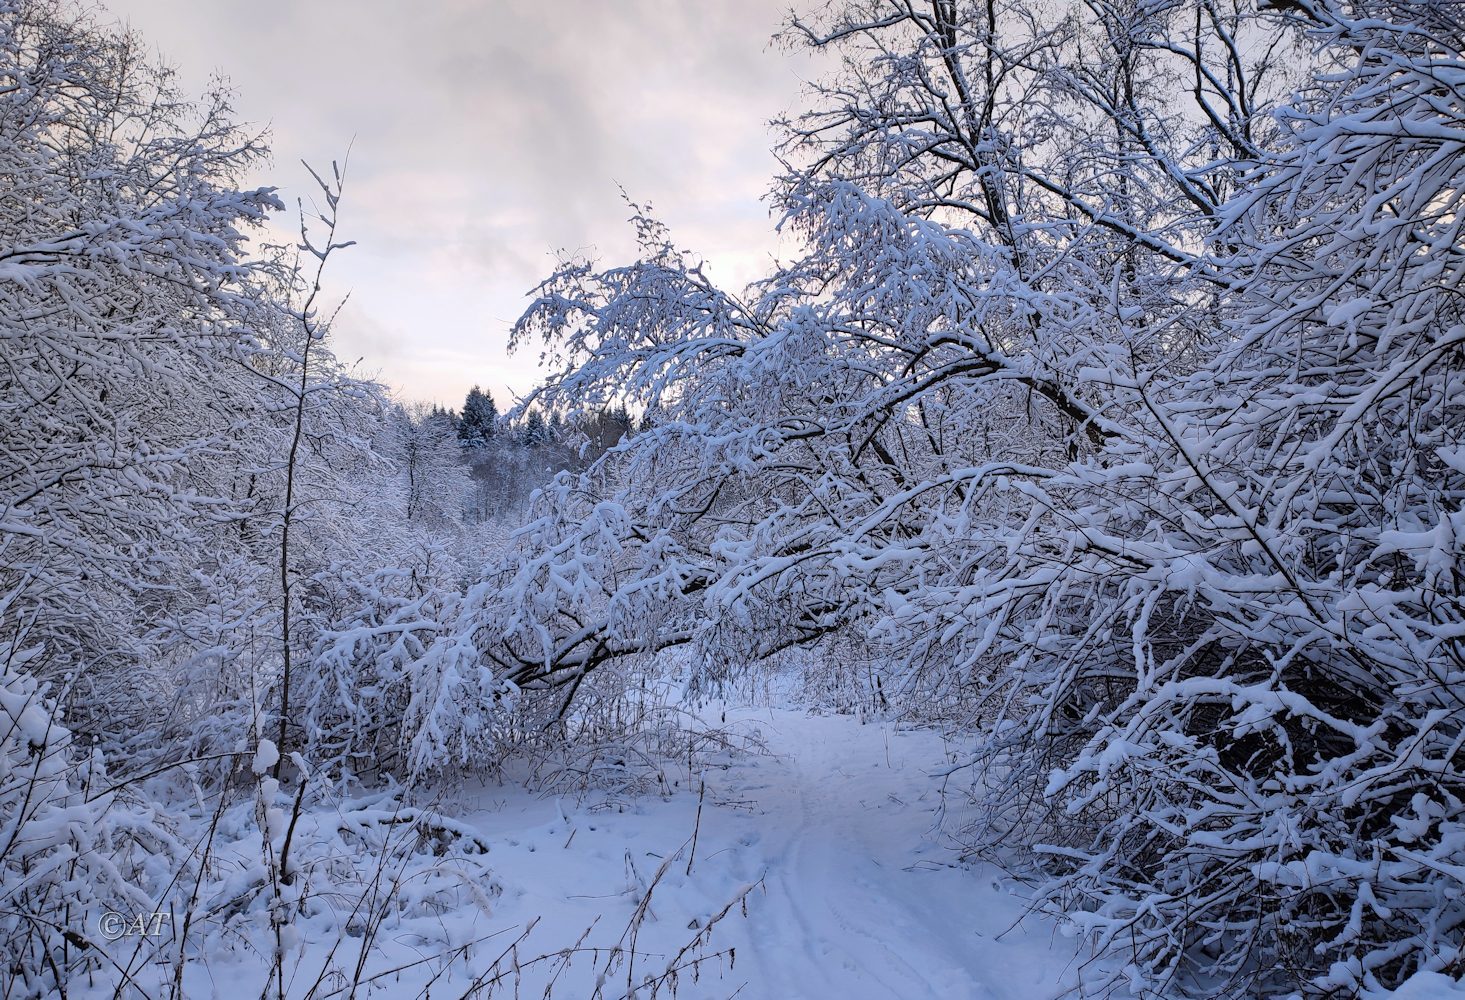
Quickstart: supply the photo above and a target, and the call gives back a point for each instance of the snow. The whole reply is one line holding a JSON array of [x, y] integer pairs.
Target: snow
[[1346, 312], [859, 899], [856, 896], [829, 838], [265, 757], [1426, 986]]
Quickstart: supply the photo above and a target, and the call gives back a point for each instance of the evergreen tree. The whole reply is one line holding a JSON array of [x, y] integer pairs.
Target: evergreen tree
[[535, 432], [480, 416], [445, 417]]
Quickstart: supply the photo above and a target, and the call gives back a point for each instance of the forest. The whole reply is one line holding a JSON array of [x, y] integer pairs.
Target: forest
[[1047, 581]]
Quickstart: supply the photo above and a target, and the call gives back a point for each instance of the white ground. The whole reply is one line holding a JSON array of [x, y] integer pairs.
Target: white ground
[[857, 898], [830, 834]]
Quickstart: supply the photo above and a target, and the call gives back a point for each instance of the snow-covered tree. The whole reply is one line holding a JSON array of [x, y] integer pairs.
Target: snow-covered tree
[[198, 541], [479, 420], [535, 431], [423, 445], [963, 266], [1280, 772], [125, 312], [1134, 424]]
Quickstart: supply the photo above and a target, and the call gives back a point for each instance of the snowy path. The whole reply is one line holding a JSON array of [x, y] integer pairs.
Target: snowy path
[[844, 915], [858, 899], [861, 901]]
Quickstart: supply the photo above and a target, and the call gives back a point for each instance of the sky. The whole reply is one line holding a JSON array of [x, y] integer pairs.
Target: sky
[[486, 137]]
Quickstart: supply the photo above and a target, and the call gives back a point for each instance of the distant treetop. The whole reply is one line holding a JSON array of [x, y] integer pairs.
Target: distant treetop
[[480, 418]]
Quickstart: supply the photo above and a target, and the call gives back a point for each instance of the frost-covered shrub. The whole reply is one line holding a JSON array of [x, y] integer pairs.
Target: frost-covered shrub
[[395, 681], [71, 848], [628, 731], [1274, 774]]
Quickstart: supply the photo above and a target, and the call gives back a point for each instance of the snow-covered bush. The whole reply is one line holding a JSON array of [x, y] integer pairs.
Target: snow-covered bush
[[394, 682], [72, 847], [1278, 771]]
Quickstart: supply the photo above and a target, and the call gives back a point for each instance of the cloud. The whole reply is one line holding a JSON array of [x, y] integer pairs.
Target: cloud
[[487, 136]]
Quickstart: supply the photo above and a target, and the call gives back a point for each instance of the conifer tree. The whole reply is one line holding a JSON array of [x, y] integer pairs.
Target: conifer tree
[[480, 415]]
